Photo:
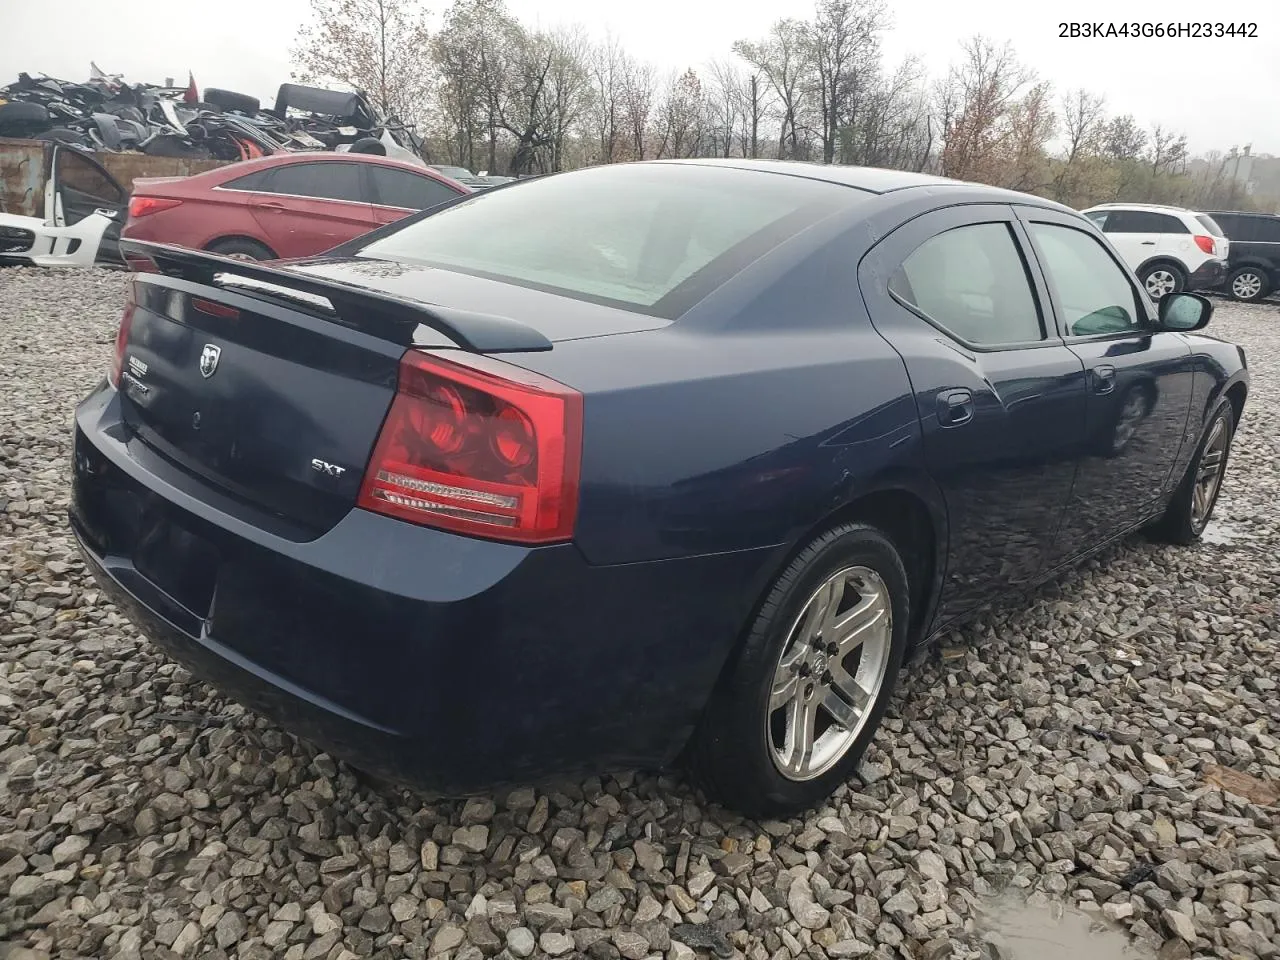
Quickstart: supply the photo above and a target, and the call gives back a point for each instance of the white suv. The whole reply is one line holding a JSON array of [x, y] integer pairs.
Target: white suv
[[1169, 248]]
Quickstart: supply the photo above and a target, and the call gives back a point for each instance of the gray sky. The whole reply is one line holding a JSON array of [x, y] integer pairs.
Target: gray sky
[[1220, 92]]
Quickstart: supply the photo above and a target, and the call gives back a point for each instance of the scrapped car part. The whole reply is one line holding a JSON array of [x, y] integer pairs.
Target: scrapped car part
[[19, 120], [228, 100], [371, 145], [34, 241]]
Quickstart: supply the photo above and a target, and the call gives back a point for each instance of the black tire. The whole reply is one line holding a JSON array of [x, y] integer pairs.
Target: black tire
[[242, 248], [370, 145], [230, 100], [731, 753], [1178, 275], [1254, 284], [21, 119], [1180, 524]]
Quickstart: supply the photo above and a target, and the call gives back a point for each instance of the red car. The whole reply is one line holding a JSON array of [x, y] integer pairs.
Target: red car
[[287, 205]]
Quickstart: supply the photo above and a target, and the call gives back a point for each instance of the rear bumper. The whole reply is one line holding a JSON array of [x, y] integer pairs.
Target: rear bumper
[[444, 662], [1207, 276]]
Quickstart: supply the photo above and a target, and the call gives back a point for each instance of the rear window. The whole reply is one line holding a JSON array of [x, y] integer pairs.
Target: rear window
[[652, 237], [259, 180], [1209, 224]]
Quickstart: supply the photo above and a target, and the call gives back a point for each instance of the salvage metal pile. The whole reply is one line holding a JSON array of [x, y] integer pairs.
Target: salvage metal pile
[[1070, 749], [106, 113]]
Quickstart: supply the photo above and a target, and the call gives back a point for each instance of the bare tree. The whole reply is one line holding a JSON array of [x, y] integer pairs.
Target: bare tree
[[638, 92], [1084, 121], [376, 46], [844, 47], [474, 58], [1168, 150], [781, 58], [974, 102], [1031, 126], [1123, 139], [680, 117], [607, 65], [725, 101]]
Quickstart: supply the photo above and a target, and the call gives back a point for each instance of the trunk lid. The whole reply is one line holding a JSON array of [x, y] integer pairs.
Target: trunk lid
[[259, 401], [270, 385]]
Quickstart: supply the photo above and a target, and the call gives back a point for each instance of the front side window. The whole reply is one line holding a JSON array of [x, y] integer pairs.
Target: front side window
[[971, 281], [321, 181], [629, 235], [1092, 291]]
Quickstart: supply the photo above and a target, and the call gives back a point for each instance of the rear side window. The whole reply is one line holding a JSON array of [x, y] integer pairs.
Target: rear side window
[[399, 188], [1268, 229], [257, 182], [1143, 221], [653, 238], [322, 181], [972, 282], [1209, 224], [1099, 219]]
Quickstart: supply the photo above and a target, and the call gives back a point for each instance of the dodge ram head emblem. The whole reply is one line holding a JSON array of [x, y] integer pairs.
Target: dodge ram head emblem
[[209, 360]]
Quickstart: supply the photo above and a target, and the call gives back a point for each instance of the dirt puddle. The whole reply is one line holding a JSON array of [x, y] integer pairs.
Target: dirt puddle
[[1026, 931]]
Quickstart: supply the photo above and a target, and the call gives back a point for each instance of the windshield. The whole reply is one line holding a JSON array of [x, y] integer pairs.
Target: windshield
[[1209, 224], [625, 234]]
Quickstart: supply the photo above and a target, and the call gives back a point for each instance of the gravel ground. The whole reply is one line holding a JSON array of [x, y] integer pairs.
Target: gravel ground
[[1058, 749]]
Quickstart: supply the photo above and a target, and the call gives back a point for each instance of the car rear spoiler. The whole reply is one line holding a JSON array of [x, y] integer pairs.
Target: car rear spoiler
[[387, 317]]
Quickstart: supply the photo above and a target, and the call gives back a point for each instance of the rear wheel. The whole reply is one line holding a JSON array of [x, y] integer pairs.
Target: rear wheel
[[1192, 505], [1249, 284], [241, 248], [798, 708], [1162, 279]]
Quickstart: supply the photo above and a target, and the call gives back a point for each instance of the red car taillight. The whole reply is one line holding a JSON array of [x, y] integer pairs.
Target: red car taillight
[[144, 206], [122, 340], [1205, 244], [480, 447]]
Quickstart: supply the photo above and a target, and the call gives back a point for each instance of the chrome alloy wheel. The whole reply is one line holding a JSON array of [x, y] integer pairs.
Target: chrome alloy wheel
[[829, 673], [1213, 463], [1161, 283], [1246, 286]]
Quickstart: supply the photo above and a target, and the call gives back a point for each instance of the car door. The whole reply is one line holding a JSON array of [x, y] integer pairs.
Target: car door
[[1135, 234], [1140, 382], [79, 188], [398, 193], [314, 206], [1000, 397]]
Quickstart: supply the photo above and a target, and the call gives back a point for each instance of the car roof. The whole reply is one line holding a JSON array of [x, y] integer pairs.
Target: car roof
[[870, 179], [1161, 207], [1243, 213]]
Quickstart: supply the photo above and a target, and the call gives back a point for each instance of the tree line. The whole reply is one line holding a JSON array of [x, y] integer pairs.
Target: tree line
[[489, 93]]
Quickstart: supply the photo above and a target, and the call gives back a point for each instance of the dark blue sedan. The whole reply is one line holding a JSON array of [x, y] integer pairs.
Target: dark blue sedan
[[647, 462]]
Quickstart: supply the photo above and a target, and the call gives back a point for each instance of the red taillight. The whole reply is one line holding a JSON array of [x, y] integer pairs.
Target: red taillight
[[145, 206], [122, 340], [1205, 244], [479, 447]]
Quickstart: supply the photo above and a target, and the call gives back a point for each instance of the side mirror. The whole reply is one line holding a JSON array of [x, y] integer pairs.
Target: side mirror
[[1184, 312]]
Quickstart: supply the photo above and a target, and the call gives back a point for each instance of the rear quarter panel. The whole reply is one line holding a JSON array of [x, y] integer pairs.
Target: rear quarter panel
[[766, 408]]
